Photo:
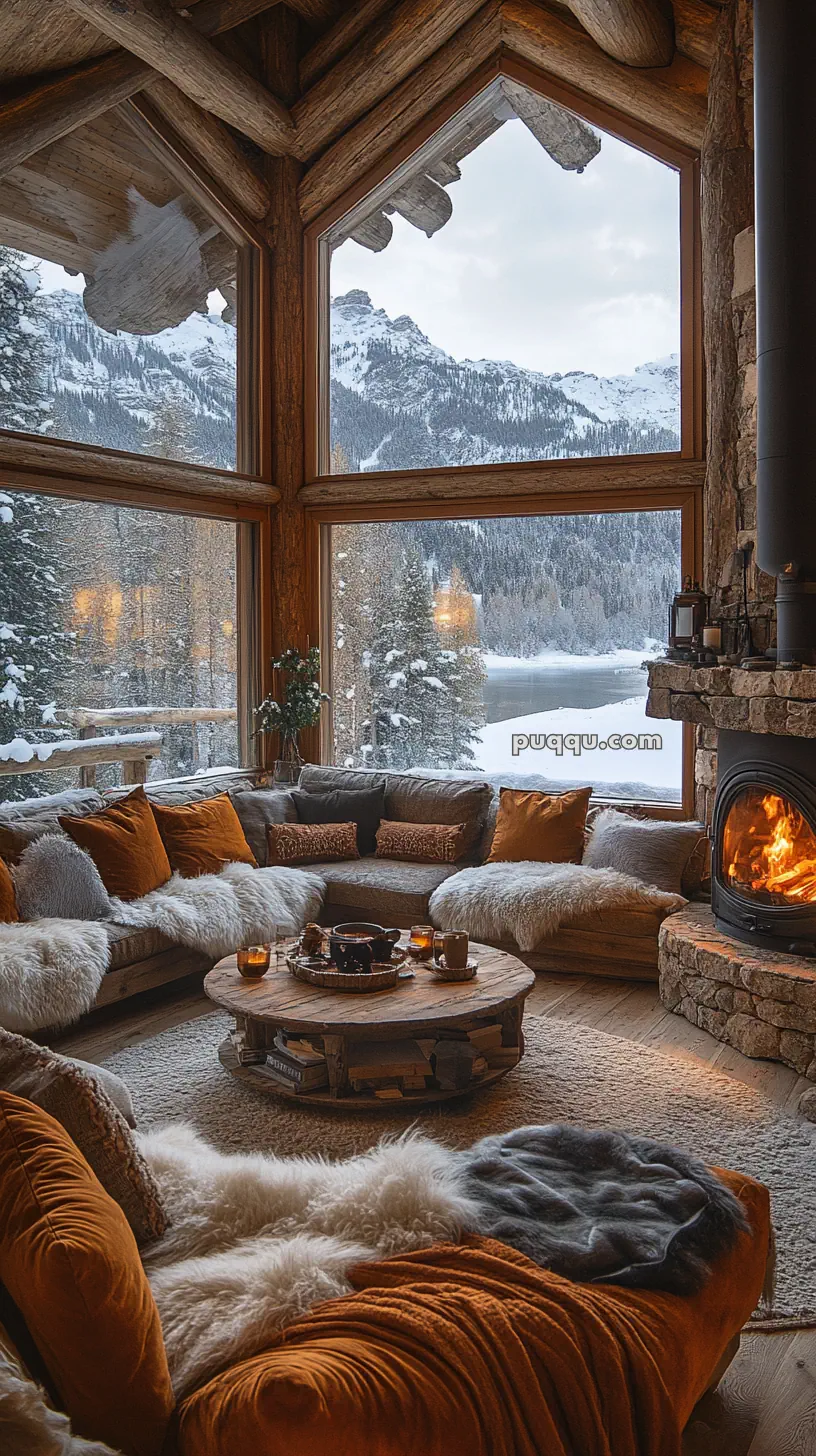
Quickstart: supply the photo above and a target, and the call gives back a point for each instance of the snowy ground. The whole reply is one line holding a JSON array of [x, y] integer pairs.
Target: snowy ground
[[623, 772]]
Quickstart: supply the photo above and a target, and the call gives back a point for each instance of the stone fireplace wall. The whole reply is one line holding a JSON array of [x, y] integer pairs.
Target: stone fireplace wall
[[730, 326]]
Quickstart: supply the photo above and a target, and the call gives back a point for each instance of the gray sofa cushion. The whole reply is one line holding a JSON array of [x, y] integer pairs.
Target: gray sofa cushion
[[389, 892], [128, 944], [25, 822], [258, 808], [413, 800], [70, 801]]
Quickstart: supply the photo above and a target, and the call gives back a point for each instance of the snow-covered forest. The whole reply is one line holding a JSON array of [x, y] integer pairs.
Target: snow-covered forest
[[417, 606], [101, 606]]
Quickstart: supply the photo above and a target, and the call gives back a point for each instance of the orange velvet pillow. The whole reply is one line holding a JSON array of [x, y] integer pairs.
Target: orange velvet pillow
[[546, 827], [201, 838], [8, 899], [70, 1263], [124, 844]]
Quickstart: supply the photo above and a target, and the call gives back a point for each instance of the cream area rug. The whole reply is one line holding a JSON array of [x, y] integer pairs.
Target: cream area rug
[[568, 1074]]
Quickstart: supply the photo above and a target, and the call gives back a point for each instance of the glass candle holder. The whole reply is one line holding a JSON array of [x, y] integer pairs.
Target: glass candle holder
[[253, 961], [420, 946]]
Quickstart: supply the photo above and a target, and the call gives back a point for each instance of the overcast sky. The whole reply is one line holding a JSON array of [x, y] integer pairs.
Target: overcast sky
[[553, 270]]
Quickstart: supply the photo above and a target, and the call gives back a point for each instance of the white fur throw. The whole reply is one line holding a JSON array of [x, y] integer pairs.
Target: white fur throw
[[528, 900], [255, 1241], [29, 1427], [215, 914], [50, 971]]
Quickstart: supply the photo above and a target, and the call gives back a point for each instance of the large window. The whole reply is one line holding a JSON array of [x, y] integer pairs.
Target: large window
[[108, 607], [510, 646], [512, 293], [157, 379]]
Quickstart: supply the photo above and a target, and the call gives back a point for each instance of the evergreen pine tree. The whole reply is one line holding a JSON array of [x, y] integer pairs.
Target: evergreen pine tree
[[34, 646]]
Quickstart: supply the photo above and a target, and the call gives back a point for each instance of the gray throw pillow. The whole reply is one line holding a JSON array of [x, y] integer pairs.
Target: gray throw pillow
[[655, 851], [76, 1098], [256, 808], [56, 880]]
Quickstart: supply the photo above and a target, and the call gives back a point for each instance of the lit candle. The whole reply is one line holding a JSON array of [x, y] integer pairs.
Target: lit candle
[[712, 638], [420, 946], [253, 960]]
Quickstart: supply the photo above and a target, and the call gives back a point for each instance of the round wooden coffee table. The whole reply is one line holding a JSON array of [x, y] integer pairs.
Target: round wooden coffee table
[[418, 1008]]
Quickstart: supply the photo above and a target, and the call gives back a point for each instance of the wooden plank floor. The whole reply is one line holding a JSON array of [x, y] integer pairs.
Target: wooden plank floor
[[766, 1403]]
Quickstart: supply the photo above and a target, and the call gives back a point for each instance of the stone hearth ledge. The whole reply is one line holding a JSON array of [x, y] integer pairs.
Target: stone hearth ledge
[[730, 697], [761, 1002]]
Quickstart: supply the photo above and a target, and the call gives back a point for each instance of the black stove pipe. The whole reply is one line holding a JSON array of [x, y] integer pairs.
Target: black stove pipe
[[785, 155]]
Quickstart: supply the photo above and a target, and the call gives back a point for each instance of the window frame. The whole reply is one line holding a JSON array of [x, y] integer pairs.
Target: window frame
[[245, 497], [684, 160], [688, 501]]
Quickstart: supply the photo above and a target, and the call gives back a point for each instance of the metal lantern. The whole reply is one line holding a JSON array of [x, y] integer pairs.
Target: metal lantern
[[688, 615]]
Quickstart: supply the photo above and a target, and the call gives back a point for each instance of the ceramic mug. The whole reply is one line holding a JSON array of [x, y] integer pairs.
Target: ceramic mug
[[451, 949]]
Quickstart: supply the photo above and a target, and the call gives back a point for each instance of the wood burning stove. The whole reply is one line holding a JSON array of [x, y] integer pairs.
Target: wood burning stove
[[764, 841]]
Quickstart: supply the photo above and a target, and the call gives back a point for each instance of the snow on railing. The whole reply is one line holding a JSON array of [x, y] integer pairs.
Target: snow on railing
[[133, 750]]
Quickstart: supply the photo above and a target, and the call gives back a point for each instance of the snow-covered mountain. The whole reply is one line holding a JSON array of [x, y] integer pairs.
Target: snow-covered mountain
[[113, 389], [398, 401]]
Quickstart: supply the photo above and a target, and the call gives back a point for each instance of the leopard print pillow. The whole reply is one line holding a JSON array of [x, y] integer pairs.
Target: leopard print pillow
[[432, 843], [296, 844]]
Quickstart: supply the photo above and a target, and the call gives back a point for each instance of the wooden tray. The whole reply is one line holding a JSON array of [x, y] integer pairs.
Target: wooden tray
[[381, 978]]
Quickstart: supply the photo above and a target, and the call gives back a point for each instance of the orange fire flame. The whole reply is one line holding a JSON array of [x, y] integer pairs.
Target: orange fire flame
[[774, 860]]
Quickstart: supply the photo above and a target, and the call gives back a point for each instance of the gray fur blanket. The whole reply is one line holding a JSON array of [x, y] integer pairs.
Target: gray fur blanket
[[603, 1207]]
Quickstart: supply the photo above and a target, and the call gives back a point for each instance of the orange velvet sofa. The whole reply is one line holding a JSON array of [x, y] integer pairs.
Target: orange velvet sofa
[[472, 1350], [465, 1349]]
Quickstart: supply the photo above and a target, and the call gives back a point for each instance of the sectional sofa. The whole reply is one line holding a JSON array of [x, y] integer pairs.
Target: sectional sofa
[[621, 943]]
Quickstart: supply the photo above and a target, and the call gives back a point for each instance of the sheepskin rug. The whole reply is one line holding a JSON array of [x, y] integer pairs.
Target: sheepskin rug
[[240, 906], [256, 1241], [50, 972], [28, 1427], [528, 900]]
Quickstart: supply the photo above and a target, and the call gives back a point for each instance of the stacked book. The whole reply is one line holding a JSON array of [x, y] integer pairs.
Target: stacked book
[[388, 1068], [295, 1064]]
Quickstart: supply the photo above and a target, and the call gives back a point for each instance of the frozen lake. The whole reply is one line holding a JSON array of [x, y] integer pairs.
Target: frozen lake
[[540, 686]]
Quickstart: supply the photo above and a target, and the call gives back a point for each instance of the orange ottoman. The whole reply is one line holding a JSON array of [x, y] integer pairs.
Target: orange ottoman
[[472, 1350]]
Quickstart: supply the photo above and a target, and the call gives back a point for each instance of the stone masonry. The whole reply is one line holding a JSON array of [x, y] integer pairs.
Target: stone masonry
[[761, 1002], [729, 697]]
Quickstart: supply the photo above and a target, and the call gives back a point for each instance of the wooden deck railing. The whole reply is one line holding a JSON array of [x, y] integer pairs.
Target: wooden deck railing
[[87, 720], [133, 750]]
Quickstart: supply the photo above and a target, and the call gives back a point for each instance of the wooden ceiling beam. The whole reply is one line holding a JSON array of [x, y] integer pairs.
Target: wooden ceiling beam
[[316, 12], [215, 144], [635, 32], [382, 129], [392, 47], [165, 40], [695, 30], [337, 41], [71, 99], [671, 100]]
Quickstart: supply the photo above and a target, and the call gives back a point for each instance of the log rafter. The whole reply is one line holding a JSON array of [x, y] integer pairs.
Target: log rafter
[[171, 45], [636, 32], [53, 108]]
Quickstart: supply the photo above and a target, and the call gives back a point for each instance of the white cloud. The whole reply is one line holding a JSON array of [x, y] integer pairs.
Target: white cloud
[[554, 270]]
